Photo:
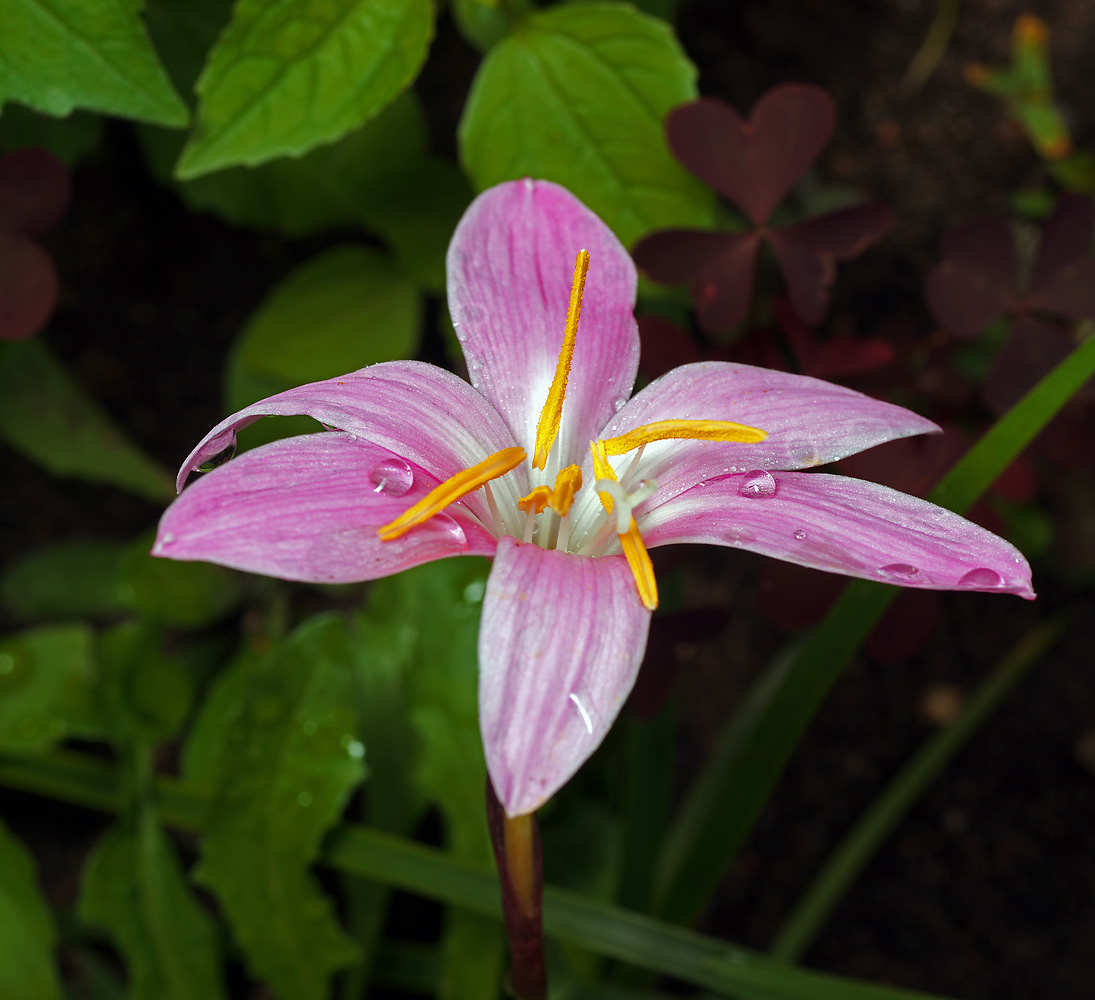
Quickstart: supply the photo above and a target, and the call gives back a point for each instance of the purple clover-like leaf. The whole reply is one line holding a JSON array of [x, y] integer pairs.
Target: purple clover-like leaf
[[974, 282]]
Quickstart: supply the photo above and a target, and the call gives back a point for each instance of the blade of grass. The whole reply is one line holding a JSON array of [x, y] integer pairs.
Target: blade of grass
[[726, 799], [404, 864], [872, 828]]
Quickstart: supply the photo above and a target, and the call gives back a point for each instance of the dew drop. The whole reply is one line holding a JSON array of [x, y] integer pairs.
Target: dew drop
[[452, 529], [304, 799], [759, 485], [391, 478], [473, 592], [902, 572], [800, 535], [219, 458], [978, 579], [309, 728], [737, 537]]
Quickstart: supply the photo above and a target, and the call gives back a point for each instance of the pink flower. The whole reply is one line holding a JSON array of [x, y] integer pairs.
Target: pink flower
[[416, 465]]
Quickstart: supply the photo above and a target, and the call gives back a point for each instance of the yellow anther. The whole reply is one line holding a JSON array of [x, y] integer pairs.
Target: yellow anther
[[602, 470], [567, 483], [551, 414], [689, 430], [631, 541], [538, 499], [452, 490], [641, 566]]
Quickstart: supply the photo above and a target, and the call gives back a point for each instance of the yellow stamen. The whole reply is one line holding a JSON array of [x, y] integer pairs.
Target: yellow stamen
[[690, 430], [551, 414], [538, 499], [567, 483], [452, 490], [631, 541], [602, 470], [641, 566]]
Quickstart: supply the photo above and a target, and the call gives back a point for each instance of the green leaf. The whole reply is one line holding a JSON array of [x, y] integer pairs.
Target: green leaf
[[135, 890], [27, 936], [291, 74], [69, 139], [65, 54], [190, 594], [47, 416], [221, 709], [65, 580], [577, 95], [395, 861], [342, 310], [428, 618], [145, 693], [47, 678], [289, 765], [756, 744]]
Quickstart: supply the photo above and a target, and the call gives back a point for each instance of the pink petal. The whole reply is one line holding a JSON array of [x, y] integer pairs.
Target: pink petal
[[560, 643], [510, 266], [422, 413], [809, 422], [842, 525], [307, 508]]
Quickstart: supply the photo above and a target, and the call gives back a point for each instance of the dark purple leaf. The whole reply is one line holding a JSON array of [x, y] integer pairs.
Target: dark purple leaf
[[754, 163], [974, 282], [839, 357], [1071, 292], [28, 287], [674, 255], [722, 291], [808, 251], [1066, 239], [35, 189], [663, 346], [1032, 350]]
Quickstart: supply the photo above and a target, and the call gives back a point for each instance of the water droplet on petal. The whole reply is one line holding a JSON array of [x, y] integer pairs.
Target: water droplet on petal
[[455, 532], [760, 485], [800, 535], [979, 579], [391, 478], [737, 537], [219, 458], [900, 572]]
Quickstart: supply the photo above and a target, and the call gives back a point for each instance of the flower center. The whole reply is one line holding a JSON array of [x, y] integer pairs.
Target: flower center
[[617, 501]]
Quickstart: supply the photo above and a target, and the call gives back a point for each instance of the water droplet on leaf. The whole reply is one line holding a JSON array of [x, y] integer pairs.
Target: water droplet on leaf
[[304, 799], [391, 478], [760, 485], [977, 579], [309, 728]]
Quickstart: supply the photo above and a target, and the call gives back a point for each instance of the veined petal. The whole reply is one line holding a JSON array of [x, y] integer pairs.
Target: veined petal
[[842, 525], [510, 266], [560, 643], [809, 422], [424, 414], [308, 508]]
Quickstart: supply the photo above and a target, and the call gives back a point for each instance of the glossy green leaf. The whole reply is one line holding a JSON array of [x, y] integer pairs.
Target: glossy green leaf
[[144, 692], [47, 687], [429, 618], [608, 930], [289, 765], [577, 95], [135, 890], [65, 54], [344, 309], [190, 594], [755, 746], [27, 937], [288, 75], [203, 761], [66, 580], [47, 416]]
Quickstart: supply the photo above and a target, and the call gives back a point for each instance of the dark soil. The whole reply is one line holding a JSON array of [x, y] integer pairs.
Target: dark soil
[[987, 890]]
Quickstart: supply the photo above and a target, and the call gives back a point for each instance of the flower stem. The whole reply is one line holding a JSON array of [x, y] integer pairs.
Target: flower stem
[[516, 843]]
